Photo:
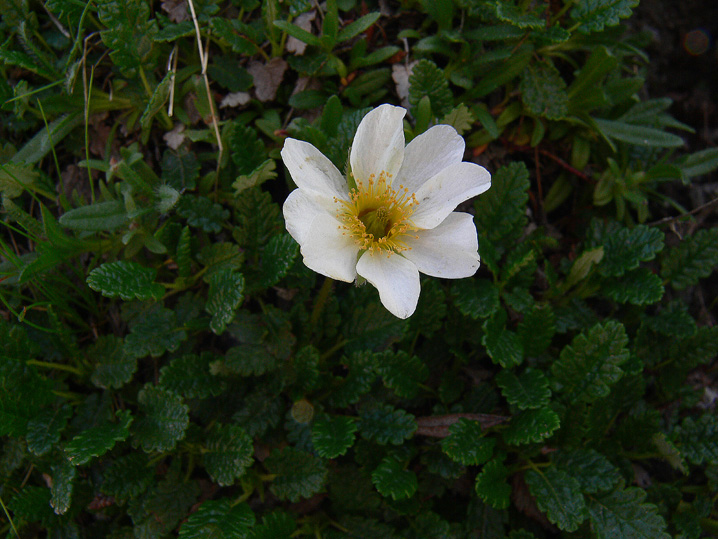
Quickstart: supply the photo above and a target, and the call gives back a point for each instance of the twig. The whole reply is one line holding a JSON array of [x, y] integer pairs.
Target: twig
[[700, 208], [203, 59], [437, 426], [172, 68]]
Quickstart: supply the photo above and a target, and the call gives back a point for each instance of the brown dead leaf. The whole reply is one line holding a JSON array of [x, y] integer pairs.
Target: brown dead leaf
[[175, 138], [267, 77], [235, 99], [176, 10], [401, 73], [304, 21]]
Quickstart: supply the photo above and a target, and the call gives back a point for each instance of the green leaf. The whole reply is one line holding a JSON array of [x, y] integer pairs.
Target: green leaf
[[275, 524], [466, 444], [127, 476], [43, 430], [392, 480], [63, 475], [359, 380], [586, 92], [190, 376], [588, 367], [98, 217], [238, 35], [476, 298], [332, 436], [257, 219], [250, 360], [700, 163], [697, 439], [226, 289], [277, 257], [265, 171], [299, 33], [638, 135], [162, 420], [638, 287], [32, 504], [96, 441], [491, 485], [218, 519], [298, 474], [590, 468], [531, 426], [401, 372], [460, 118], [247, 149], [129, 34], [157, 101], [500, 212], [502, 345], [154, 333], [543, 91], [625, 249], [384, 425], [530, 390], [45, 140], [172, 32], [594, 15], [517, 16], [695, 258], [357, 27], [201, 212], [219, 256], [126, 279], [229, 452], [558, 495], [624, 514], [180, 169], [537, 329], [427, 79]]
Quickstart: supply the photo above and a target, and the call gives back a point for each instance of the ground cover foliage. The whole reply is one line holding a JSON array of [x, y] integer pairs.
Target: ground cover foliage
[[170, 368]]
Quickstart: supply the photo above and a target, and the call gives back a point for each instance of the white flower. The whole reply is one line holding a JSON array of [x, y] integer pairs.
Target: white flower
[[393, 216]]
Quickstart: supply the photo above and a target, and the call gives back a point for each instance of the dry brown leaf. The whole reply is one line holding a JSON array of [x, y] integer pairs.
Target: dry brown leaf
[[401, 73], [175, 138], [304, 21], [267, 77], [176, 10], [235, 99]]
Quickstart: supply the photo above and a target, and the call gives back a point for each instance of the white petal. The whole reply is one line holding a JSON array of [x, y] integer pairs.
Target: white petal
[[396, 278], [450, 251], [428, 154], [440, 195], [300, 209], [327, 251], [311, 170], [379, 143]]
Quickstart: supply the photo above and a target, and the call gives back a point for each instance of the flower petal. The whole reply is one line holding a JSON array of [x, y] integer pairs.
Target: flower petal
[[440, 195], [329, 252], [428, 154], [311, 170], [379, 143], [450, 250], [396, 279], [300, 208]]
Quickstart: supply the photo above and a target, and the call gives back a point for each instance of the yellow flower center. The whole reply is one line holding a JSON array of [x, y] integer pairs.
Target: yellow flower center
[[378, 217]]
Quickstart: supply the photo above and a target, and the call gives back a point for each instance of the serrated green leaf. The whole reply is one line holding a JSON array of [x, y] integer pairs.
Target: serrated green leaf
[[401, 372], [220, 256], [277, 257], [154, 333], [427, 79], [265, 171], [97, 441], [625, 249], [126, 279], [274, 524], [239, 36], [162, 420], [229, 451], [247, 149], [591, 363], [638, 287], [258, 218], [180, 169], [63, 475], [98, 217], [590, 468], [695, 258], [697, 439], [190, 375], [129, 34], [114, 368], [491, 485], [594, 15], [529, 390], [172, 32], [157, 101], [517, 16], [384, 424], [500, 212], [372, 327], [201, 212], [466, 443], [531, 426], [332, 436], [298, 474], [219, 519], [250, 360], [359, 380], [460, 118], [392, 480], [226, 289], [477, 298], [624, 514], [502, 345], [127, 476], [32, 504], [43, 430], [543, 91], [537, 329], [558, 495]]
